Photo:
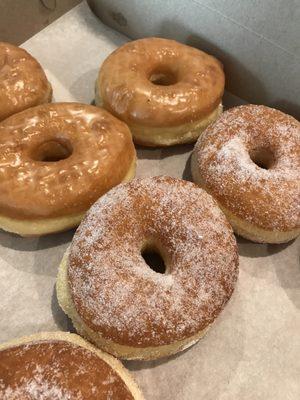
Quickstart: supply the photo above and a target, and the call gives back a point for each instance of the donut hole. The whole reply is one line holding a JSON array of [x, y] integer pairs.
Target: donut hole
[[163, 77], [53, 151], [153, 259], [262, 157]]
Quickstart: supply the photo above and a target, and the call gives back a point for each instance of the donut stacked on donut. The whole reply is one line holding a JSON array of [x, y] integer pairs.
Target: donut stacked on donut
[[249, 160], [23, 82], [61, 365], [165, 91], [116, 300], [56, 160]]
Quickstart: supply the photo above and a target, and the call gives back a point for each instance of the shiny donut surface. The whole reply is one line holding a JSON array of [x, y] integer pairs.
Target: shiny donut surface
[[57, 159], [158, 82], [23, 82]]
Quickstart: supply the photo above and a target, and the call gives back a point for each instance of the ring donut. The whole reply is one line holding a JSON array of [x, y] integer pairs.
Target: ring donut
[[116, 300], [23, 82], [56, 160], [61, 365], [249, 161], [165, 91]]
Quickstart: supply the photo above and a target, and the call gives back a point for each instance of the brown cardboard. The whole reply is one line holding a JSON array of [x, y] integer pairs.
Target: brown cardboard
[[21, 19]]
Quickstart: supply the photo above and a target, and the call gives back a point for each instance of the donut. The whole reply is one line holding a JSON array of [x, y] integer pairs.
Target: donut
[[165, 91], [113, 296], [249, 161], [23, 82], [56, 160], [61, 365]]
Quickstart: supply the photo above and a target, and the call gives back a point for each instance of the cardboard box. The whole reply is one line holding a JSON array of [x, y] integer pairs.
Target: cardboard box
[[21, 19], [257, 41]]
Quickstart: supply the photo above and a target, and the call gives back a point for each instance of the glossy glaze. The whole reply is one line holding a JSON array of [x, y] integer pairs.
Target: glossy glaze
[[126, 89], [100, 153], [23, 83]]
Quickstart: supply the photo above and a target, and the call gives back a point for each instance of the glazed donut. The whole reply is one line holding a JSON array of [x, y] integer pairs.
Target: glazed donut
[[249, 161], [61, 365], [165, 91], [55, 161], [23, 82], [122, 305]]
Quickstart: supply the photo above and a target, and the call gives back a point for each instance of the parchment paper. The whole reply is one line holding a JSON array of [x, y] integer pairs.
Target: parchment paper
[[253, 349]]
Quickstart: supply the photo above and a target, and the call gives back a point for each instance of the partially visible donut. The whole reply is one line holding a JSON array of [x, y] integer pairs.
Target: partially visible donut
[[23, 82], [165, 91], [56, 160], [249, 161], [59, 366], [117, 301]]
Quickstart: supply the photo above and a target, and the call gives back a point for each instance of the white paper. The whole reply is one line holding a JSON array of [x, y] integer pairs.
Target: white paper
[[252, 351]]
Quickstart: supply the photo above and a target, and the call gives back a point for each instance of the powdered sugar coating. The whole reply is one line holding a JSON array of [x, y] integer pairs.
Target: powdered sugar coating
[[267, 198], [114, 290], [57, 370]]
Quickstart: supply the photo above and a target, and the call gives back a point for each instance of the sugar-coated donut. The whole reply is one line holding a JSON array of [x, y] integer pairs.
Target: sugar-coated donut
[[23, 82], [116, 300], [249, 161], [166, 92], [55, 161], [60, 365]]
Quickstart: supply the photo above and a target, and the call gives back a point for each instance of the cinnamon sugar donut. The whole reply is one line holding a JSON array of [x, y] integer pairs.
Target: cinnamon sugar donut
[[23, 82], [116, 300], [249, 160], [60, 366], [55, 162], [165, 91]]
